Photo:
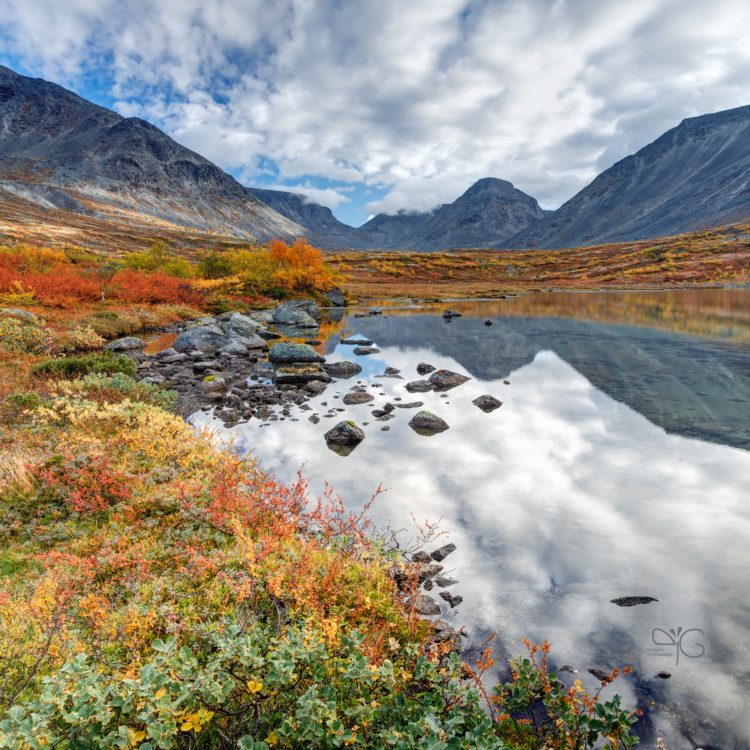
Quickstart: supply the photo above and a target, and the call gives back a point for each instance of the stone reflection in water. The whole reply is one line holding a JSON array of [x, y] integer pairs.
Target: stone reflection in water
[[567, 497]]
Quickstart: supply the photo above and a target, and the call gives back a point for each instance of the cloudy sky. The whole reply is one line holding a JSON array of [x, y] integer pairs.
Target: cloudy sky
[[379, 106]]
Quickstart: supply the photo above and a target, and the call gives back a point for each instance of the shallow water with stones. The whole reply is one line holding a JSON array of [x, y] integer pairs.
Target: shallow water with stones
[[618, 465]]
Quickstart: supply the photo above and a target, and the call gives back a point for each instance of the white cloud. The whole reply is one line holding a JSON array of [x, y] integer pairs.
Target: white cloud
[[322, 196], [412, 97]]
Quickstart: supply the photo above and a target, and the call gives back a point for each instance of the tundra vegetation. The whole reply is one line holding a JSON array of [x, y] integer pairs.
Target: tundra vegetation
[[158, 591]]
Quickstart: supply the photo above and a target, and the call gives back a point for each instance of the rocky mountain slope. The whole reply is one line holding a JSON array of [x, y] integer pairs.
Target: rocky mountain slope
[[63, 151], [489, 211], [694, 176]]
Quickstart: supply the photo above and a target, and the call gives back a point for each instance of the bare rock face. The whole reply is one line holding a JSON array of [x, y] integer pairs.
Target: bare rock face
[[426, 423], [487, 403]]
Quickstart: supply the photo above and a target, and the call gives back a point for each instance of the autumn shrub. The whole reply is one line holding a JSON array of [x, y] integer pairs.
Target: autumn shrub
[[159, 258], [154, 288], [71, 367], [17, 336], [85, 338]]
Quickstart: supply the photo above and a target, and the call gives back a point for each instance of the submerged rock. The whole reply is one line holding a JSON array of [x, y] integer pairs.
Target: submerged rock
[[424, 369], [129, 343], [342, 369], [442, 380], [487, 403], [444, 581], [599, 674], [358, 398], [426, 423], [284, 352]]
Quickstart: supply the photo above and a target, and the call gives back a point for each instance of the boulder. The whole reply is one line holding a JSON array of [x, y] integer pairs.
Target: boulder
[[239, 325], [345, 433], [443, 380], [335, 296], [419, 386], [293, 316], [300, 373], [165, 353], [310, 306], [358, 398], [444, 581], [287, 353], [424, 369], [362, 351], [487, 403], [391, 371], [342, 369], [252, 341], [268, 335], [262, 316], [315, 387], [426, 423], [206, 338], [128, 344], [356, 342]]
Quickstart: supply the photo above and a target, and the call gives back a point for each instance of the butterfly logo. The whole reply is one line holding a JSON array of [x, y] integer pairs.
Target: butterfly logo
[[675, 639]]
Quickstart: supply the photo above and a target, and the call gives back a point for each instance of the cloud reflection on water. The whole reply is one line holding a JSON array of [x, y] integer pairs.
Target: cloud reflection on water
[[558, 502]]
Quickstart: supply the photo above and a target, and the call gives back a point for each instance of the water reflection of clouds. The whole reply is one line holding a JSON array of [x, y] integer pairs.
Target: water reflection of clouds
[[559, 501]]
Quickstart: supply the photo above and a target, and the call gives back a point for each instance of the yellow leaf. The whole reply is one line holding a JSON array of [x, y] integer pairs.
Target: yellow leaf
[[187, 726], [272, 739], [140, 736], [160, 693]]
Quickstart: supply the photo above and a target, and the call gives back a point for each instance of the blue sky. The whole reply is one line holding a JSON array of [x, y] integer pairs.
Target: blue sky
[[370, 107]]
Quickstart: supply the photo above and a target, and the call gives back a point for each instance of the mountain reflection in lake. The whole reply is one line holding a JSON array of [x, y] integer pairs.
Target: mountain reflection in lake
[[617, 466]]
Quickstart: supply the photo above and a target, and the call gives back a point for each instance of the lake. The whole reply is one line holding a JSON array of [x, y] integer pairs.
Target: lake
[[618, 465]]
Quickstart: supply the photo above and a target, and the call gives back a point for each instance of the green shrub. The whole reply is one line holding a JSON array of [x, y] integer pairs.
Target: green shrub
[[123, 384], [75, 367], [106, 315], [22, 338], [24, 400]]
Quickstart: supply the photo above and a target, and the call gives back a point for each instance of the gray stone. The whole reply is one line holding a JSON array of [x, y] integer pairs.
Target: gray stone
[[154, 380], [164, 353], [262, 316], [424, 369], [390, 371], [314, 419], [129, 343], [385, 429], [315, 386], [444, 581], [452, 599], [313, 342], [268, 335], [412, 405], [335, 296], [310, 306], [361, 351], [356, 342], [378, 413], [421, 557], [487, 403], [419, 386], [299, 373], [235, 348], [663, 675], [239, 325], [426, 605], [426, 423], [206, 338], [443, 552], [287, 353], [445, 379], [345, 433], [357, 398], [342, 369], [293, 316], [23, 315], [631, 601]]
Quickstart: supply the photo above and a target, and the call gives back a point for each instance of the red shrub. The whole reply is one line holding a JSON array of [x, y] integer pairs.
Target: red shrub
[[151, 288]]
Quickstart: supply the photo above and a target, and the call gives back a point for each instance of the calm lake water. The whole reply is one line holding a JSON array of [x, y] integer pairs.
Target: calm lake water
[[618, 465]]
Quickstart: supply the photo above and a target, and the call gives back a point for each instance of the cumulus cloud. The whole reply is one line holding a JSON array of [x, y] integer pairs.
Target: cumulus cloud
[[421, 98], [322, 196]]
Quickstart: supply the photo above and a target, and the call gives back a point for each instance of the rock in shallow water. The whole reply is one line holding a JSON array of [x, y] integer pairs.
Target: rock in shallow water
[[419, 386], [424, 369], [442, 380], [342, 369], [129, 343], [315, 386], [205, 338], [443, 552], [487, 403], [426, 423], [287, 353], [300, 373], [362, 351], [356, 342], [631, 601], [426, 605], [357, 398], [345, 433]]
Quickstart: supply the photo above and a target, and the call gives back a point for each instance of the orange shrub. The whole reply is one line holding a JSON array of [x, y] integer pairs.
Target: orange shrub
[[300, 267]]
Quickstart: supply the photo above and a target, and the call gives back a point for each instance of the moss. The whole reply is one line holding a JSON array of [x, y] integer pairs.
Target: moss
[[209, 379], [75, 367]]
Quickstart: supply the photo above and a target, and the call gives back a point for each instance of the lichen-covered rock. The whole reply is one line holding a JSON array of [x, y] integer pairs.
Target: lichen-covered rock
[[487, 403], [129, 343], [262, 316], [286, 353], [235, 349], [342, 369], [345, 433], [293, 316], [239, 325], [358, 398], [425, 422], [205, 338], [299, 373], [442, 380], [310, 306]]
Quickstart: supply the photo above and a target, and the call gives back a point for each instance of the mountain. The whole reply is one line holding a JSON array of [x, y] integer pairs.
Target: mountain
[[383, 230], [63, 151], [489, 211], [694, 176]]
